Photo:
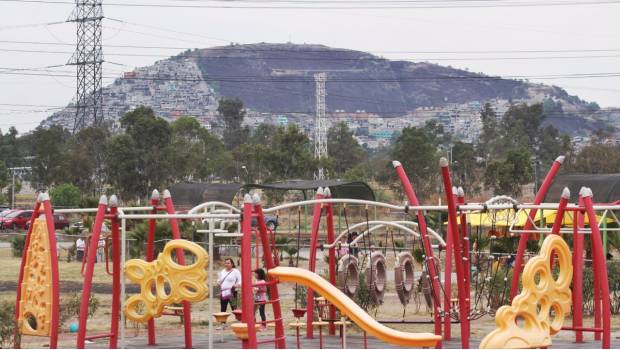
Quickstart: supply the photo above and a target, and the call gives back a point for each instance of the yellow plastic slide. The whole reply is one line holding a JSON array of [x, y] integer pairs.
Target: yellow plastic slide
[[352, 310]]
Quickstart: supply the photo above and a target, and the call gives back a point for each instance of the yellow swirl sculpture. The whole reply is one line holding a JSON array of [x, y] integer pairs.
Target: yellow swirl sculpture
[[164, 282], [35, 307], [528, 322]]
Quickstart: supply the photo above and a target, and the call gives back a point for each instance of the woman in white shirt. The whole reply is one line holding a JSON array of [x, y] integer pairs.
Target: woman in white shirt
[[229, 279]]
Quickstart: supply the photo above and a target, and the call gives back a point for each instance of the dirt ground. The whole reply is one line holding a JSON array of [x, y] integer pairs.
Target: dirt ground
[[71, 282]]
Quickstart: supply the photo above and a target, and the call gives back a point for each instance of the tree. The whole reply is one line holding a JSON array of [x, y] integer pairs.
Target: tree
[[508, 175], [194, 153], [10, 152], [343, 149], [231, 113], [289, 155], [597, 159], [416, 149], [85, 157], [136, 161], [519, 129], [66, 195], [464, 167], [49, 164], [123, 167], [489, 130]]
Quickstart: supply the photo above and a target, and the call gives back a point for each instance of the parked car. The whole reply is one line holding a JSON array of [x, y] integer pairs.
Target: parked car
[[60, 222], [6, 212], [270, 221], [16, 219], [77, 225]]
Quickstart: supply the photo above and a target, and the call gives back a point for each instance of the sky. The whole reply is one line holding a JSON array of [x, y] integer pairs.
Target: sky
[[559, 42]]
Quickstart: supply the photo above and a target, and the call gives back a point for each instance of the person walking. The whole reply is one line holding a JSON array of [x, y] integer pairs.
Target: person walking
[[229, 279]]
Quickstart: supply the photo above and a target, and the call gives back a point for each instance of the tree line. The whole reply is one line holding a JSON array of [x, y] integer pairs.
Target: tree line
[[152, 153]]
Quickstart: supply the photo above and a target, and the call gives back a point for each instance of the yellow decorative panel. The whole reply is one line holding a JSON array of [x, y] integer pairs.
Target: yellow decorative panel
[[164, 282], [35, 307], [538, 311]]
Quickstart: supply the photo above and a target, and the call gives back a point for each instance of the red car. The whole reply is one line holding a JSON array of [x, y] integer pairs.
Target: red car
[[16, 219], [61, 222]]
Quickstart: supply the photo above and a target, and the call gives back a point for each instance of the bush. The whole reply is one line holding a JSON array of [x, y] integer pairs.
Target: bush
[[7, 324], [70, 307], [17, 245], [66, 195]]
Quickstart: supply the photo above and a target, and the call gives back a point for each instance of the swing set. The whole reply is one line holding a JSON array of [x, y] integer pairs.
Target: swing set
[[169, 281]]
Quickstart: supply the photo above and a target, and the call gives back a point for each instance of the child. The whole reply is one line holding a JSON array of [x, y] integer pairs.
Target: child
[[344, 250], [260, 296]]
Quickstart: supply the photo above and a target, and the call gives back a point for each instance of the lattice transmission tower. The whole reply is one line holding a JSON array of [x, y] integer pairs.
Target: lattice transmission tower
[[88, 58], [320, 124]]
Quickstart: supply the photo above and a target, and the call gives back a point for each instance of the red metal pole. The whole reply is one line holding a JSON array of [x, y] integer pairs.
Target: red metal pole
[[428, 250], [447, 301], [176, 234], [90, 268], [150, 251], [460, 195], [55, 320], [331, 236], [269, 264], [20, 279], [578, 223], [540, 195], [600, 266], [247, 298], [596, 296], [116, 273], [559, 215], [314, 237], [458, 256]]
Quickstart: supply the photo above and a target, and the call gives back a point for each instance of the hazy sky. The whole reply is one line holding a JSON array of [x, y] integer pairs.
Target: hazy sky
[[524, 38]]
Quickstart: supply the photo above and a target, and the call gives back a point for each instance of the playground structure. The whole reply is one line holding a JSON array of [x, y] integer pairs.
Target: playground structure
[[342, 271]]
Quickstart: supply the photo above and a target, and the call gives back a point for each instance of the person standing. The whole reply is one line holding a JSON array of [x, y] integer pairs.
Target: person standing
[[80, 245], [229, 279]]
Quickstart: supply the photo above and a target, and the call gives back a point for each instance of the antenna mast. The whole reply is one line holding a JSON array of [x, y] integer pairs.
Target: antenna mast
[[320, 125]]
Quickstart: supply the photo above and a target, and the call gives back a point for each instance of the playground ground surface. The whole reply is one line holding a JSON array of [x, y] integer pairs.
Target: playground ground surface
[[170, 331]]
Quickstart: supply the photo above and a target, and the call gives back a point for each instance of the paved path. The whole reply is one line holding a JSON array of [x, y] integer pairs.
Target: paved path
[[563, 341]]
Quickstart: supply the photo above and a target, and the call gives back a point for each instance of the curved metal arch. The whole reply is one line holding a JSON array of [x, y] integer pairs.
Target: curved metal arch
[[212, 203], [397, 224]]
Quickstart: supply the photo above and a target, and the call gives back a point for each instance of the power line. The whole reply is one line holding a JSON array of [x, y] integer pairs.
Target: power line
[[166, 29], [329, 50], [328, 59], [408, 5], [270, 79], [31, 25]]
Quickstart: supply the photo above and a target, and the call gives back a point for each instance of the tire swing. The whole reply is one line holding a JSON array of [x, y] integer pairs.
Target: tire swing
[[377, 277], [404, 277], [348, 275]]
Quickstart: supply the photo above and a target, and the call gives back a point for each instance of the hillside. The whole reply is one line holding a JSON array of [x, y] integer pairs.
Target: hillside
[[278, 79]]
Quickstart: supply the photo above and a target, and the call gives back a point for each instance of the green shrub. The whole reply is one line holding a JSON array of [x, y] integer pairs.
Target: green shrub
[[7, 324], [66, 195], [70, 307], [17, 245]]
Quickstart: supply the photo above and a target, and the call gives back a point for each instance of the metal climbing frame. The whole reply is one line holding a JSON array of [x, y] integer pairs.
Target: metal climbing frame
[[252, 209]]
